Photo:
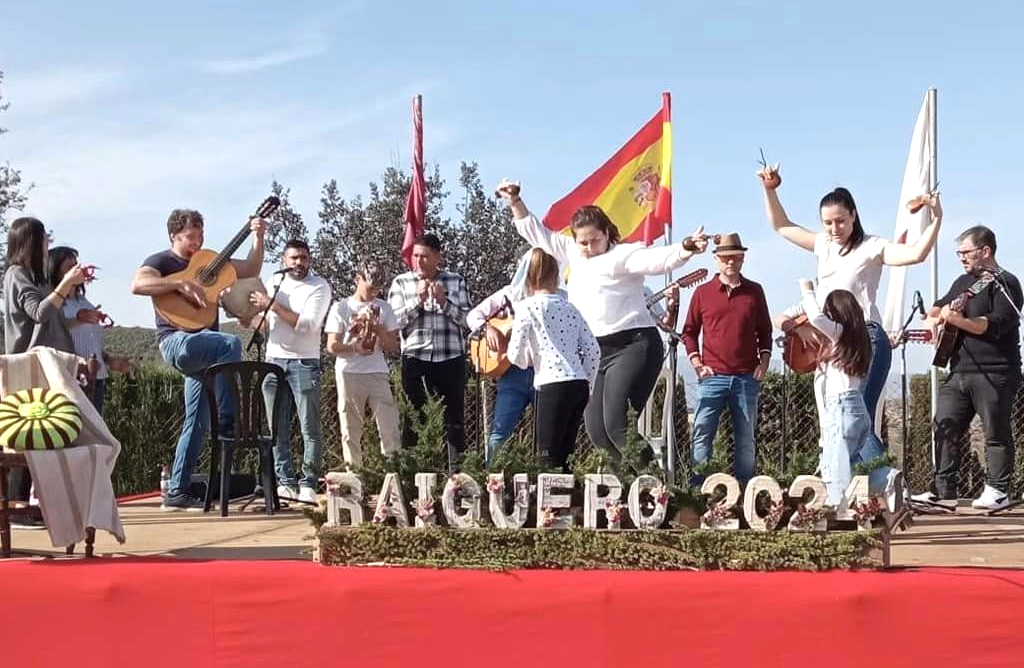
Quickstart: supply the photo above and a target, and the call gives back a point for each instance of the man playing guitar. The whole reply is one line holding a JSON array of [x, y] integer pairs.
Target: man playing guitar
[[985, 371], [191, 352], [515, 386]]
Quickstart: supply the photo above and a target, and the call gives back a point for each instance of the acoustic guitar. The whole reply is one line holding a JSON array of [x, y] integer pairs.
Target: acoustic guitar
[[214, 272], [488, 362], [949, 335]]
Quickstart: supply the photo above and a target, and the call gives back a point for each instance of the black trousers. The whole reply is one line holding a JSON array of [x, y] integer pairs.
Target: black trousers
[[991, 396], [447, 381], [558, 412], [630, 363]]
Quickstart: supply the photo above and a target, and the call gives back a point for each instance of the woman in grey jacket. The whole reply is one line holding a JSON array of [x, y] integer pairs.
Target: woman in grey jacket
[[32, 312]]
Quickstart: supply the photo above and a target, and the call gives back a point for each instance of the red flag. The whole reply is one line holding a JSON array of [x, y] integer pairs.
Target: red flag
[[634, 187], [416, 204]]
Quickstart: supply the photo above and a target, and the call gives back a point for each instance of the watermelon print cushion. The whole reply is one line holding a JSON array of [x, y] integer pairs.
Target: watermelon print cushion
[[38, 419]]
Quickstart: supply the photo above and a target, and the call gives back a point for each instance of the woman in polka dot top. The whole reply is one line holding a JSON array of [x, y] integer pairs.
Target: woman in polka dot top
[[550, 333]]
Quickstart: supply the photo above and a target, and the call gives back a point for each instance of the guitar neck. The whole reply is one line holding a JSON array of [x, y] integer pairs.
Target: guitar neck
[[224, 256]]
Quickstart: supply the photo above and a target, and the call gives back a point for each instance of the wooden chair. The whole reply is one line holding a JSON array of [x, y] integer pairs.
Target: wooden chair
[[10, 459]]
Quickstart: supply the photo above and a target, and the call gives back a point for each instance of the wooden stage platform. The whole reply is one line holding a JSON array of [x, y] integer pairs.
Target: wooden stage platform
[[968, 538]]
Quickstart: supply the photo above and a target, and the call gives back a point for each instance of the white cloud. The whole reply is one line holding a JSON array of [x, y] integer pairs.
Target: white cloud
[[36, 93], [275, 58]]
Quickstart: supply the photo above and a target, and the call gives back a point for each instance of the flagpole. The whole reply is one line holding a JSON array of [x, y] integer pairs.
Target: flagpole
[[668, 427], [933, 180]]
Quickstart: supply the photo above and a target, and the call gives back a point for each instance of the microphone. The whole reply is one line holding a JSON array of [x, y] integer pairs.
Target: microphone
[[281, 272], [919, 304]]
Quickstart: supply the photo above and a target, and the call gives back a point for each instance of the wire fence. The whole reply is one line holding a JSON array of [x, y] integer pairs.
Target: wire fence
[[145, 415]]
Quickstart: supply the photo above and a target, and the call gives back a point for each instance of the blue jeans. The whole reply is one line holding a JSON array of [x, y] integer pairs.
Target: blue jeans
[[848, 439], [739, 393], [878, 370], [99, 389], [515, 392], [303, 378], [191, 353]]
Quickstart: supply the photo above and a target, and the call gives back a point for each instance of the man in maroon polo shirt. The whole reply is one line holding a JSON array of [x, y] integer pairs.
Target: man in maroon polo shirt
[[730, 315]]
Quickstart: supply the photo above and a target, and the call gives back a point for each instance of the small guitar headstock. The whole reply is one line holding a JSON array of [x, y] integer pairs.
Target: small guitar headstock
[[693, 278], [917, 336]]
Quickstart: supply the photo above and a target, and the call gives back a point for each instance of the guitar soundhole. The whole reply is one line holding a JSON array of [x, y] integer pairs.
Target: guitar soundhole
[[206, 278]]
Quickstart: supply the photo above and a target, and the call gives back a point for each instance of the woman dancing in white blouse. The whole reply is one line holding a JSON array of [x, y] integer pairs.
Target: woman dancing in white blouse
[[606, 284]]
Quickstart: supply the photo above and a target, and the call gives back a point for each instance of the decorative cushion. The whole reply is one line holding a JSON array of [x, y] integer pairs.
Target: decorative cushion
[[38, 419]]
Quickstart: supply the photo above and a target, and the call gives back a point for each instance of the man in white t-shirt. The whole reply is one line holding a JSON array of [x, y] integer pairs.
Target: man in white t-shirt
[[294, 324], [359, 328]]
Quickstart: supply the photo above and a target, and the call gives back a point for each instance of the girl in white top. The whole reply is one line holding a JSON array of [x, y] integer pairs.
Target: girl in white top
[[550, 333], [606, 284], [849, 259], [842, 366]]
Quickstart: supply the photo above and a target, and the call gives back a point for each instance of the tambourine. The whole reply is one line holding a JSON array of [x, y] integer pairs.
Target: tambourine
[[235, 300]]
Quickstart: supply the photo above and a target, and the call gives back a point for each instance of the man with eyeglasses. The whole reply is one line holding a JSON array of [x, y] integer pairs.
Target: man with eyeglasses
[[730, 316], [984, 372]]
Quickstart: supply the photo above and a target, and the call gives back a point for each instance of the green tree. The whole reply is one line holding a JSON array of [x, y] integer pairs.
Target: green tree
[[13, 192], [486, 246], [284, 225], [357, 230]]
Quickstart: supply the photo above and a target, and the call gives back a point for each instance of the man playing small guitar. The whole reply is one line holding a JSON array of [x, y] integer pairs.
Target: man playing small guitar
[[191, 352], [984, 373]]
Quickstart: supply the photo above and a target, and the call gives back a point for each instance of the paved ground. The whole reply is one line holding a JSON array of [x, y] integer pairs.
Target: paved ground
[[968, 538]]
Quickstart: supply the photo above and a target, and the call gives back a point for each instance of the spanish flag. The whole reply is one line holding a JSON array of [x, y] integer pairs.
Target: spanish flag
[[634, 187]]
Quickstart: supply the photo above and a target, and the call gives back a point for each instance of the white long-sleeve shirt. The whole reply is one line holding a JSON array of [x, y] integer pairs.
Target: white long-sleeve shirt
[[310, 298], [829, 379], [550, 332], [608, 289]]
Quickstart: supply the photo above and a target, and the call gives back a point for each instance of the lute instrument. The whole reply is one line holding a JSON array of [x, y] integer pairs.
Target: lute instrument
[[213, 272]]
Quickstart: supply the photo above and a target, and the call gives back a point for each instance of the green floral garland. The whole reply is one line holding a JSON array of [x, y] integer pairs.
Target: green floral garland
[[581, 549]]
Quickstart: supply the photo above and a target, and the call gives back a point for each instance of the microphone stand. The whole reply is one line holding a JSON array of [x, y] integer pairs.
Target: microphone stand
[[481, 404], [669, 409], [902, 340], [257, 333], [1020, 316]]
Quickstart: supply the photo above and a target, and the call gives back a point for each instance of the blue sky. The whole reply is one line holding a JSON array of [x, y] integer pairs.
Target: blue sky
[[123, 111]]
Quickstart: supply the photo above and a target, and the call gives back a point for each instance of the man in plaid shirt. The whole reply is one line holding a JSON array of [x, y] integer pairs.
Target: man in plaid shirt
[[430, 306]]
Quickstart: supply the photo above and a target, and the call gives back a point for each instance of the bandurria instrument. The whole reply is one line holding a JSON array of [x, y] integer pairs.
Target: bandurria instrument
[[362, 328], [213, 272]]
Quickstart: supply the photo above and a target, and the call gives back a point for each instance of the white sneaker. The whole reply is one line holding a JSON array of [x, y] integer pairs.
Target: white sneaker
[[929, 499], [991, 499], [287, 493], [307, 495], [895, 492]]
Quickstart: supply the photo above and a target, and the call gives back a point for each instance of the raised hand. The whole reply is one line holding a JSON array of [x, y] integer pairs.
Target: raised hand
[[770, 177], [508, 189], [930, 200], [696, 242]]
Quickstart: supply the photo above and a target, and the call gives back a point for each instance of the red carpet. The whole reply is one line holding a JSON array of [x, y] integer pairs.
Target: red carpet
[[159, 612]]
